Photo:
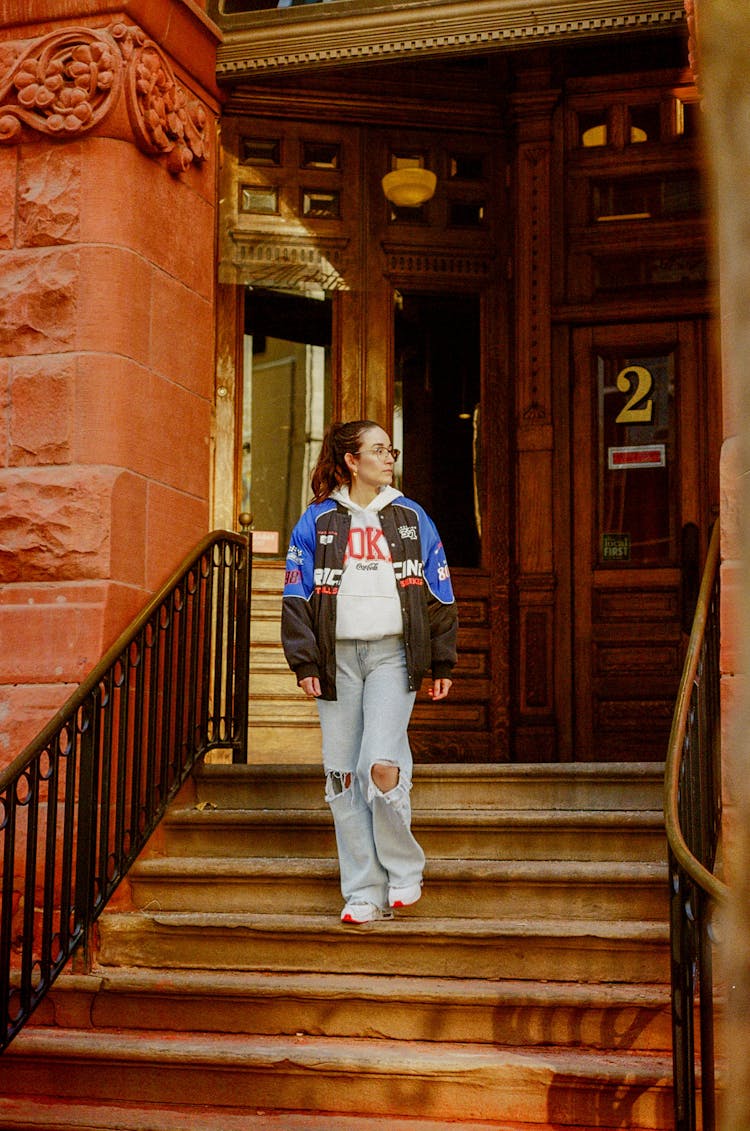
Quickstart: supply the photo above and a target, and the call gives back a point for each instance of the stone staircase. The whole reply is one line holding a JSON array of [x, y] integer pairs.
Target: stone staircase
[[527, 989]]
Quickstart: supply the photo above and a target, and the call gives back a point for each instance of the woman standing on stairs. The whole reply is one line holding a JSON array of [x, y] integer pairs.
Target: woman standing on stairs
[[368, 610]]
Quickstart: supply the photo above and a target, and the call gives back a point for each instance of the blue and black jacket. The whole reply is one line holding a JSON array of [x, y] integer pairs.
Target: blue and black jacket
[[315, 562]]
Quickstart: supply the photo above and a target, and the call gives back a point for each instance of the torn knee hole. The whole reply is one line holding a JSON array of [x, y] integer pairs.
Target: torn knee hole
[[385, 776], [338, 781]]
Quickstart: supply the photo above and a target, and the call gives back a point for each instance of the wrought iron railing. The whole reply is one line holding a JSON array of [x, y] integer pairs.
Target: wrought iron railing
[[692, 811], [79, 803]]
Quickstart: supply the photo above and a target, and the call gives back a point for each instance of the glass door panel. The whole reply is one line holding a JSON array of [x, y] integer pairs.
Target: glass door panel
[[637, 504], [286, 406]]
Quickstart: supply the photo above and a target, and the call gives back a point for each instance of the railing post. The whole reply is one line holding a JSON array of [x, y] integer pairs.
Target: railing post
[[681, 950], [86, 828], [242, 655]]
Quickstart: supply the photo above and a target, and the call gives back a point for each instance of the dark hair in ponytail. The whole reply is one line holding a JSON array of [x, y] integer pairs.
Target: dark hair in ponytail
[[331, 470]]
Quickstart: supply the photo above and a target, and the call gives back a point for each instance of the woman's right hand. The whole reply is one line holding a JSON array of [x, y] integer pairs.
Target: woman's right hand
[[311, 686]]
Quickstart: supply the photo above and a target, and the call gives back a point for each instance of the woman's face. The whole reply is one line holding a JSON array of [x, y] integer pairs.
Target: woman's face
[[374, 462]]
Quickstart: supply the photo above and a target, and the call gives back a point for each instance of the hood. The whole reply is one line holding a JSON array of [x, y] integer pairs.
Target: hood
[[385, 496]]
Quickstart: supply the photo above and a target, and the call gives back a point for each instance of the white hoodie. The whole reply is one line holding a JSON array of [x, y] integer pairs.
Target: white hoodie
[[367, 606]]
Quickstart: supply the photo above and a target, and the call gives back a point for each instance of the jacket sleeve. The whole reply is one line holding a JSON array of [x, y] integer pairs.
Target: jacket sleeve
[[441, 602], [297, 627]]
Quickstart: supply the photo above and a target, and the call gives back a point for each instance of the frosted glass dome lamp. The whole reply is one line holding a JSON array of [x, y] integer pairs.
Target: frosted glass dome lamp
[[409, 188]]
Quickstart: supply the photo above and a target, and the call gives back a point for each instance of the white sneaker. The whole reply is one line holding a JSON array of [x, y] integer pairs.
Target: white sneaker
[[357, 911], [404, 897]]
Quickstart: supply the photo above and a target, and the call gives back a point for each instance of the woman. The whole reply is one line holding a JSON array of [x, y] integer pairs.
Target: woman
[[368, 610]]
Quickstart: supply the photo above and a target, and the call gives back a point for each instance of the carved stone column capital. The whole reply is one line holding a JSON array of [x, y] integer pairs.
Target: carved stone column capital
[[65, 83]]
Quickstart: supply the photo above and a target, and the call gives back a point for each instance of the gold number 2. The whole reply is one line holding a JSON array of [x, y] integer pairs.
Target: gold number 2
[[640, 407]]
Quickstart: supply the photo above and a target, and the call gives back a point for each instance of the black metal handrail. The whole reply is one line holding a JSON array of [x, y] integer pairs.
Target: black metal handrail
[[692, 813], [79, 803]]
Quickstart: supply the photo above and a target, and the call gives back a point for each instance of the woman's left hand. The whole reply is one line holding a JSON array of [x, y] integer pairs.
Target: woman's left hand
[[440, 689]]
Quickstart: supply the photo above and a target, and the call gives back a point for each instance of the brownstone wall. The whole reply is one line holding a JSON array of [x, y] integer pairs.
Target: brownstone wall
[[107, 228], [723, 66]]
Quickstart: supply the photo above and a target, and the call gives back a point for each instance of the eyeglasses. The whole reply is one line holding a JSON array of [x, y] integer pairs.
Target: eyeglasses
[[381, 452]]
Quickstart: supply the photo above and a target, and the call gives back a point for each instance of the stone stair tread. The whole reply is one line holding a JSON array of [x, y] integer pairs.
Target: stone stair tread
[[562, 771], [477, 816], [350, 1055], [330, 987], [450, 786], [41, 1114], [329, 927], [209, 869]]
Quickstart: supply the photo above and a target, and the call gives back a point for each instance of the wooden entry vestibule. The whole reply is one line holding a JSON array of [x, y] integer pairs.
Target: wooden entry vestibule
[[537, 337]]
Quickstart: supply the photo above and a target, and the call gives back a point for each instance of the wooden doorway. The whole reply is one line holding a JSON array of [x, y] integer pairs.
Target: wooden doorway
[[642, 436]]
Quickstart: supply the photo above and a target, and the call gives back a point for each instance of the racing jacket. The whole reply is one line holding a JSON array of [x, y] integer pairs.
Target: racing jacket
[[315, 562]]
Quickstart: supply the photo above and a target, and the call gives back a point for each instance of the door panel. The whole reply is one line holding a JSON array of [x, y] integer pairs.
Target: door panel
[[639, 444]]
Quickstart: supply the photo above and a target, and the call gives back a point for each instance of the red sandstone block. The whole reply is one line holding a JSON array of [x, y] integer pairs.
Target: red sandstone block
[[114, 303], [5, 374], [49, 195], [189, 357], [132, 201], [176, 522], [735, 717], [39, 301], [128, 417], [28, 594], [732, 476], [41, 410], [25, 709], [54, 523], [60, 642], [124, 603], [734, 620], [8, 176], [128, 530]]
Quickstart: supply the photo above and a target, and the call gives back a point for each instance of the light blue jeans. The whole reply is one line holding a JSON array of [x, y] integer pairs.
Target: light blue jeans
[[366, 724]]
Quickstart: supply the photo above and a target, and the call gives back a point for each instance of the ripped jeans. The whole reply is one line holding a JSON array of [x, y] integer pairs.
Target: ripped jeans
[[365, 725]]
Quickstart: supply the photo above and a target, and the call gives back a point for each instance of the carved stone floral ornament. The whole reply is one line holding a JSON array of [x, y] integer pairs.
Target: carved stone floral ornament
[[64, 83]]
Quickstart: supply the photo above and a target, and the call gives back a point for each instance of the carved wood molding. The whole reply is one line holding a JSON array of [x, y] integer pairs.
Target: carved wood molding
[[691, 15], [64, 83], [533, 285], [456, 262], [286, 262], [352, 31]]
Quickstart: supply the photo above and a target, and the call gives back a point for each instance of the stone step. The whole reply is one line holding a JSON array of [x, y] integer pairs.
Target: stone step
[[267, 606], [287, 743], [45, 1114], [513, 1013], [269, 658], [268, 576], [491, 834], [287, 708], [569, 786], [264, 630], [276, 683], [518, 949], [548, 889], [440, 1080]]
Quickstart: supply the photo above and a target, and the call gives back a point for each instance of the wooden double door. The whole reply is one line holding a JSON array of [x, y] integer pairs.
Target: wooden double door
[[635, 447], [591, 663]]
